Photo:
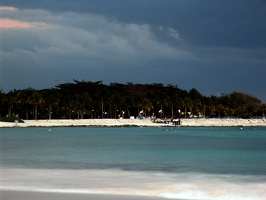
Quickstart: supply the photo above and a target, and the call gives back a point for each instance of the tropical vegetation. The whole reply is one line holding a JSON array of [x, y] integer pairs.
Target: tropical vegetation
[[86, 99]]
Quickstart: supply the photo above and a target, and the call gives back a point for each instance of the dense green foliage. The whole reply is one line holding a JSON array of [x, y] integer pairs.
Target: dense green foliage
[[83, 99]]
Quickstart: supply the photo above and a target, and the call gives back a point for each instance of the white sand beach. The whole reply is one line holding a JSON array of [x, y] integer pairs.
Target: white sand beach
[[23, 195], [134, 122], [223, 122], [82, 122]]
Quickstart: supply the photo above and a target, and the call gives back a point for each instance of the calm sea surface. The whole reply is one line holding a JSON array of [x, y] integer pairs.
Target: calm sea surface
[[186, 163]]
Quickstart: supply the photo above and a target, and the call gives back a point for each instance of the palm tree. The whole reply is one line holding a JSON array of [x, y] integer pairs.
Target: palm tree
[[173, 97], [35, 99], [147, 105], [52, 99], [11, 100], [162, 99], [188, 104], [196, 99], [22, 100], [219, 108], [81, 103]]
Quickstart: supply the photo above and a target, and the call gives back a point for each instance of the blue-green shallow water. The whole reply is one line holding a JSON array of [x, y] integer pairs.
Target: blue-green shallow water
[[183, 152], [210, 150]]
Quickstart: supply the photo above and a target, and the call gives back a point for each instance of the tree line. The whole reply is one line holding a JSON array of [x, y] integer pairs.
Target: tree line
[[86, 99]]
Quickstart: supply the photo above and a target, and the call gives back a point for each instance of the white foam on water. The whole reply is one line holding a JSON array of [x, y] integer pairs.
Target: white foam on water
[[168, 185]]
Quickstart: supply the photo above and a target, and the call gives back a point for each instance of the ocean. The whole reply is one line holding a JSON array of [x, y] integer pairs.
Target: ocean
[[195, 163]]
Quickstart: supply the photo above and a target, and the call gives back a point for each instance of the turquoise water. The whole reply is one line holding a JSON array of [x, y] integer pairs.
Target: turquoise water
[[188, 163]]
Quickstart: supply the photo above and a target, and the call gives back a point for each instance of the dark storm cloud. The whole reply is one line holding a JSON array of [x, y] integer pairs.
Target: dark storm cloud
[[215, 46], [207, 22]]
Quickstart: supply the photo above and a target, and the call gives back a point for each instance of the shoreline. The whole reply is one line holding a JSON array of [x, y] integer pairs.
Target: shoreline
[[26, 195], [194, 122]]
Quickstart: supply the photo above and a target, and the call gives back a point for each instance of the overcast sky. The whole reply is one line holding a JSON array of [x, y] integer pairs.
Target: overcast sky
[[215, 46]]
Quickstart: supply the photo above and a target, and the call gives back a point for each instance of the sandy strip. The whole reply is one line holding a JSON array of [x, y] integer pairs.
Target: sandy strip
[[84, 122], [21, 195], [223, 122], [135, 122]]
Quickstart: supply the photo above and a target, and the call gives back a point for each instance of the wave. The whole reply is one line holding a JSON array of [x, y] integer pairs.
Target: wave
[[194, 186]]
